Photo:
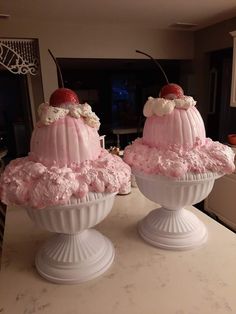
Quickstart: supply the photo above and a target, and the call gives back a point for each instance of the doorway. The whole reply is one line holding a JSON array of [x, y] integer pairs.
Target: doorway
[[15, 116], [220, 114]]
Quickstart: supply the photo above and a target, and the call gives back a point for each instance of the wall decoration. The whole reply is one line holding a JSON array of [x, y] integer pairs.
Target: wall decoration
[[19, 56]]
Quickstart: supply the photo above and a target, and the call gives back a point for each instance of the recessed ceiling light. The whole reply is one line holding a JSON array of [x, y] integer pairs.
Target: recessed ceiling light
[[4, 16], [183, 25]]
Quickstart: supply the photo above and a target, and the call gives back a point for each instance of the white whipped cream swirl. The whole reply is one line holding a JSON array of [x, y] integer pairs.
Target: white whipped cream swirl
[[49, 114], [162, 106]]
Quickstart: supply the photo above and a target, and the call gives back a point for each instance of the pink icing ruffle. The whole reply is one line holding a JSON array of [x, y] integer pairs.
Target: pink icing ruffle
[[31, 184], [176, 162]]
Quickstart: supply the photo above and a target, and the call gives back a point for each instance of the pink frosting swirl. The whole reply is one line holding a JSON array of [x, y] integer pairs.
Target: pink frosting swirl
[[31, 184], [175, 161]]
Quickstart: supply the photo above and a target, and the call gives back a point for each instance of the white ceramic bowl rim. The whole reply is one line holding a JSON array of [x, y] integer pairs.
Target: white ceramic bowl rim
[[73, 206], [188, 177]]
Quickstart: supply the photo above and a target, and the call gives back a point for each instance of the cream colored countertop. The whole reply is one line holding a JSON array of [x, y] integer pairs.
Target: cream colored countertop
[[142, 280]]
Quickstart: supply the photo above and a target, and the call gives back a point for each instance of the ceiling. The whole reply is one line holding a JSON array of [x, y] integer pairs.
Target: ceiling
[[144, 13]]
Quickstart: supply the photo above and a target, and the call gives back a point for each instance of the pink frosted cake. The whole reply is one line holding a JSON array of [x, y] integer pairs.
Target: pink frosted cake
[[65, 160], [174, 142]]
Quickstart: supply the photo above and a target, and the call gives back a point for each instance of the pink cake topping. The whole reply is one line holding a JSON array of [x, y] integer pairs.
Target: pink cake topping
[[66, 141], [181, 127], [31, 184], [65, 159], [174, 142], [174, 161], [65, 135]]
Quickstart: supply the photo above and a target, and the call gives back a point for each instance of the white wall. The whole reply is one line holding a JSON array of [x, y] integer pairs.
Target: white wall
[[86, 41]]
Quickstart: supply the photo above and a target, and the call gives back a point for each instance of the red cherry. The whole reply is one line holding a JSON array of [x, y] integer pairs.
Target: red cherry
[[62, 96], [171, 91]]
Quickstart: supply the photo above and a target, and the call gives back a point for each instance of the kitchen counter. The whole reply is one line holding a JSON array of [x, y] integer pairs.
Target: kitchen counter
[[143, 279], [221, 201]]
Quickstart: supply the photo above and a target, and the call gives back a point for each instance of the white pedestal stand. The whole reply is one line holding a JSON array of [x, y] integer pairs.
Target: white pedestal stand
[[169, 229], [76, 253], [74, 258], [172, 226]]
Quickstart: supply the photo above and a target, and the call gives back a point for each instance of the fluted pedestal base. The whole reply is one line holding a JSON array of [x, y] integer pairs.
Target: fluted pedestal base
[[75, 258], [173, 229]]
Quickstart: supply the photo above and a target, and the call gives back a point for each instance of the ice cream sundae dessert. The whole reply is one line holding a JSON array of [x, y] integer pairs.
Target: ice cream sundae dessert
[[175, 165], [65, 161], [174, 141], [67, 184]]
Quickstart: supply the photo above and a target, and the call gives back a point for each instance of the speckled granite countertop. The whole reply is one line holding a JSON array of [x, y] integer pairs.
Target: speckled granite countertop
[[143, 279]]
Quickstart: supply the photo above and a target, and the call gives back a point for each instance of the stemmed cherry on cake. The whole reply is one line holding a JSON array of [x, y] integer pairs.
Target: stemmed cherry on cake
[[175, 165]]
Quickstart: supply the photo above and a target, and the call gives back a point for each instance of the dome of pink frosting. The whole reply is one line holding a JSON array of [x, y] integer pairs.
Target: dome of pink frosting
[[64, 142], [65, 161], [174, 142], [181, 127]]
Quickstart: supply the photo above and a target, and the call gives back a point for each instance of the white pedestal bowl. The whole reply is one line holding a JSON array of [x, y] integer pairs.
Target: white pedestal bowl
[[172, 226], [76, 253]]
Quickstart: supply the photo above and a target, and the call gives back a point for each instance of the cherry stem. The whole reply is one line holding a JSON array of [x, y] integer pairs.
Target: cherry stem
[[157, 64], [61, 82]]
